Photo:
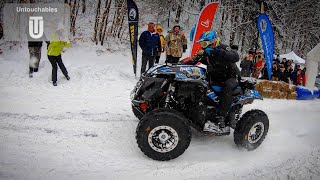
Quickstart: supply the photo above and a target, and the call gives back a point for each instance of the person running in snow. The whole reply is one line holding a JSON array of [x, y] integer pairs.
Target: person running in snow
[[55, 48], [174, 44], [149, 42], [160, 50], [34, 46], [35, 56]]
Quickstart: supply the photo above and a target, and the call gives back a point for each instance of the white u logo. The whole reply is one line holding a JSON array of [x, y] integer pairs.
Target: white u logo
[[36, 26]]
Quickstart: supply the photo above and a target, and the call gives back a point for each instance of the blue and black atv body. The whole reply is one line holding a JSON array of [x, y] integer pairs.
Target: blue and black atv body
[[170, 99]]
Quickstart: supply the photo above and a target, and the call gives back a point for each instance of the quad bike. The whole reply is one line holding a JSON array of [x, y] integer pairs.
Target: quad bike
[[170, 99]]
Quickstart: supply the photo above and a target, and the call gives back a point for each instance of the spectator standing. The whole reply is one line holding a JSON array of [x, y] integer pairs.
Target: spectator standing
[[295, 73], [265, 72], [304, 76], [55, 48], [258, 66], [275, 72], [288, 73], [175, 42], [282, 75], [246, 66], [149, 42], [161, 49], [301, 77], [277, 59]]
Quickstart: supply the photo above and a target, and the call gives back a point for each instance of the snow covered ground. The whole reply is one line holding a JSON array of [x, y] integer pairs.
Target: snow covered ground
[[84, 128]]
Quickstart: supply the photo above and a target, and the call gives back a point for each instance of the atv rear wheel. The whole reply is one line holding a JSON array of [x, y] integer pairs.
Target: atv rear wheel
[[163, 135], [251, 130]]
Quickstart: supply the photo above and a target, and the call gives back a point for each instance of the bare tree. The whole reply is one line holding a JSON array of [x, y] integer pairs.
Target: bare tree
[[84, 6], [104, 22], [96, 22], [74, 14]]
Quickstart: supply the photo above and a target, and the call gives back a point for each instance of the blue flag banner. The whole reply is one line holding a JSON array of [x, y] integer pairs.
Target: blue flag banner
[[267, 38]]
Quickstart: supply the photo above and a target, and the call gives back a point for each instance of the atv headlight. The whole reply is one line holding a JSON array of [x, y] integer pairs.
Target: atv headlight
[[132, 95]]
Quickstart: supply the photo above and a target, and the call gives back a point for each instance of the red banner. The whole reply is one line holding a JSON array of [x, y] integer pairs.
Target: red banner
[[204, 24]]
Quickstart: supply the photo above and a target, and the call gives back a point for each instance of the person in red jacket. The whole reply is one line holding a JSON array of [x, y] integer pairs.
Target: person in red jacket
[[301, 77], [258, 66], [304, 77]]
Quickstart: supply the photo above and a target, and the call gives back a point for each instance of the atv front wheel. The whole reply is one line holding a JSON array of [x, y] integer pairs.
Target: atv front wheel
[[163, 135], [251, 130]]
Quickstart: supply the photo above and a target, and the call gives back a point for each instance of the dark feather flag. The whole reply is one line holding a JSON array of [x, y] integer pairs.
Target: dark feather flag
[[267, 38], [133, 17]]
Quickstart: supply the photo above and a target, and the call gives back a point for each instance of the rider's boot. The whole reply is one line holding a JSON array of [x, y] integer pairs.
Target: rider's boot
[[211, 127], [214, 128]]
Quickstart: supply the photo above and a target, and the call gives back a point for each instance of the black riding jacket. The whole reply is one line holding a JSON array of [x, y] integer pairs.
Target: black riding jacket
[[221, 63]]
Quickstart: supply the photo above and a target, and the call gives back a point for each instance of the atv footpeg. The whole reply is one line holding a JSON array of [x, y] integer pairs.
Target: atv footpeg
[[214, 128]]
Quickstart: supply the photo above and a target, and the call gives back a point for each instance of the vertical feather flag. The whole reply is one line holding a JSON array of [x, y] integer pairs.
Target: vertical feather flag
[[204, 24], [133, 18], [267, 38]]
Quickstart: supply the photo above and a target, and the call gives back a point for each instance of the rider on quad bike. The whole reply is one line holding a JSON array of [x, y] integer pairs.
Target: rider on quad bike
[[169, 100], [222, 71]]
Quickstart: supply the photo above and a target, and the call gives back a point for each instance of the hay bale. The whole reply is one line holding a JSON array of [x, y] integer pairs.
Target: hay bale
[[284, 87], [292, 88], [275, 95], [258, 88], [283, 95], [263, 83], [292, 95], [276, 89], [268, 83], [276, 86], [264, 94], [267, 86]]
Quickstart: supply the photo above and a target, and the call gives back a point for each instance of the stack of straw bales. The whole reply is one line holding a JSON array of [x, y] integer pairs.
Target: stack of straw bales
[[276, 90]]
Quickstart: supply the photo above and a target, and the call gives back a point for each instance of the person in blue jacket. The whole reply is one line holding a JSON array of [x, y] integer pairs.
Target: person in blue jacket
[[149, 42]]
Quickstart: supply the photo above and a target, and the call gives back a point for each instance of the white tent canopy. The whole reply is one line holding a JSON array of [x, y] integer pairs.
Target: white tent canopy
[[291, 55]]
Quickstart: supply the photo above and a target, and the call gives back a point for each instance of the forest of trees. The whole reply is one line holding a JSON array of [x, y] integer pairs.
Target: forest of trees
[[295, 23]]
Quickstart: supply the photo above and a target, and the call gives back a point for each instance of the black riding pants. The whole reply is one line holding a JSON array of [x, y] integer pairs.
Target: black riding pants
[[226, 97], [55, 62]]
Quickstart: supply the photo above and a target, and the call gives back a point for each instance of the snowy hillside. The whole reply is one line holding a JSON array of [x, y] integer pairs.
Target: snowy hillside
[[84, 128]]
